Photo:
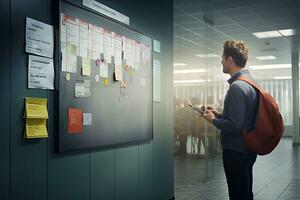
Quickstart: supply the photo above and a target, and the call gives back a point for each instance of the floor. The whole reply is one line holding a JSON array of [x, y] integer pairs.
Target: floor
[[276, 176]]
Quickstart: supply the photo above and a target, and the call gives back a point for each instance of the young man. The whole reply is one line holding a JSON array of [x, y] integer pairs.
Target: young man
[[239, 113]]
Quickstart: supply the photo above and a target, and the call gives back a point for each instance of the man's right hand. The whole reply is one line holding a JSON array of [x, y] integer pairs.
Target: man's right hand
[[213, 110]]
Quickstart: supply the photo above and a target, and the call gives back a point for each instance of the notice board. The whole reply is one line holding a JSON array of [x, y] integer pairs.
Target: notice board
[[105, 90]]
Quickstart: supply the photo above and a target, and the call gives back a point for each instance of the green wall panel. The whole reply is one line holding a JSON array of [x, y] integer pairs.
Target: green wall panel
[[146, 188], [103, 175], [5, 98], [127, 173], [68, 176], [28, 160]]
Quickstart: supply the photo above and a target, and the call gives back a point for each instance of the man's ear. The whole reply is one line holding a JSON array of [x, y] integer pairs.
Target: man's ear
[[230, 60]]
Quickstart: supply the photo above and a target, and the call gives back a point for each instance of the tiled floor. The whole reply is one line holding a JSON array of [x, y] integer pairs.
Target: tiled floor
[[276, 176]]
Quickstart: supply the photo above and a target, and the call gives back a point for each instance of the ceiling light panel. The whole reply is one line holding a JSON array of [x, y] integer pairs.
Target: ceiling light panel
[[265, 57], [282, 77], [267, 34], [179, 64], [287, 32], [189, 71], [275, 66]]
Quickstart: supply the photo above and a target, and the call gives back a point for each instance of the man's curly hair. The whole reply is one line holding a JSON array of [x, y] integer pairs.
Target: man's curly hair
[[237, 50]]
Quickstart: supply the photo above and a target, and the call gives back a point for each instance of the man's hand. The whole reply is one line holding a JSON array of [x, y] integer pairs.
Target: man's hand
[[213, 110], [209, 116]]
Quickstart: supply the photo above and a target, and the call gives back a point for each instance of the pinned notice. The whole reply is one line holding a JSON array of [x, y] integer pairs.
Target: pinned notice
[[87, 119], [39, 38], [36, 128], [83, 88], [86, 67], [40, 72], [75, 120], [104, 70], [118, 73], [36, 108], [156, 80], [36, 115]]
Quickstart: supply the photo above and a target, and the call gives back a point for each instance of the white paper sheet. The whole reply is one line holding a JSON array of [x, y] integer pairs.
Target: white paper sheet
[[63, 42], [118, 73], [90, 46], [146, 54], [156, 80], [107, 46], [97, 41], [72, 32], [118, 49], [156, 46], [87, 119], [83, 39], [40, 72], [137, 55], [128, 51], [83, 88], [103, 70], [71, 58], [85, 67], [39, 38]]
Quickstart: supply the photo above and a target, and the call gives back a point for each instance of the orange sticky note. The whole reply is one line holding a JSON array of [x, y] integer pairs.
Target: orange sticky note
[[75, 120]]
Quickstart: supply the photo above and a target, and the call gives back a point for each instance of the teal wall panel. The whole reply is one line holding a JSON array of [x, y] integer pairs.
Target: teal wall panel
[[127, 173], [69, 176], [5, 98], [33, 169], [103, 175], [146, 187], [28, 161]]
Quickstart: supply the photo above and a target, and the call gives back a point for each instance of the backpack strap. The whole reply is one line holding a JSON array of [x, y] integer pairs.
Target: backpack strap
[[242, 78]]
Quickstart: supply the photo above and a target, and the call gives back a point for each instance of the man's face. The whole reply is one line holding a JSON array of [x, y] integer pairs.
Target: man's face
[[225, 64]]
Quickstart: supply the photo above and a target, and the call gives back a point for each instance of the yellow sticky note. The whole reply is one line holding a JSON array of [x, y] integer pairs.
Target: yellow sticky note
[[36, 128], [131, 72], [118, 73], [106, 82], [36, 108], [86, 67], [71, 49]]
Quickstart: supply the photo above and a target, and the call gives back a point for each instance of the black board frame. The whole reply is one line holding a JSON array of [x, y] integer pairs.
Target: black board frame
[[68, 142]]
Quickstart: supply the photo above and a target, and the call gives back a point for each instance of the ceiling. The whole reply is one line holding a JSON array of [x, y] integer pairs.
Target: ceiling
[[202, 26]]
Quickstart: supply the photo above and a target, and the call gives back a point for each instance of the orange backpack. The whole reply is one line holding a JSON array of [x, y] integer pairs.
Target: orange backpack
[[269, 125]]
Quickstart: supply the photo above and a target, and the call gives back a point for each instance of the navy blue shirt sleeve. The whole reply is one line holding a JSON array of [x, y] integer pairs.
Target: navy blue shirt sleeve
[[236, 104]]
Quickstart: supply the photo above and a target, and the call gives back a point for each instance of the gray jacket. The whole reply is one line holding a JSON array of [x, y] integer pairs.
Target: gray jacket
[[240, 108]]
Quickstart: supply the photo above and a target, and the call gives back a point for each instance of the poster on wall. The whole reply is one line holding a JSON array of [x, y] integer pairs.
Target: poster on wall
[[156, 80], [83, 38], [40, 72], [39, 38]]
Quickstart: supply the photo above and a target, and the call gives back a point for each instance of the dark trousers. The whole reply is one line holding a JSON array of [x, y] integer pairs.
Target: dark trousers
[[238, 169]]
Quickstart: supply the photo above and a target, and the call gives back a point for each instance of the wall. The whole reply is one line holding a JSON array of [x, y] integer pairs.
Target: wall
[[32, 169]]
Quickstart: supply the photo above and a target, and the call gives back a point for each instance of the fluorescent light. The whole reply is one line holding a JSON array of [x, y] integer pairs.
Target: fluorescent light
[[179, 64], [189, 81], [282, 77], [189, 71], [267, 34], [210, 55], [275, 66], [275, 33], [265, 57], [287, 32]]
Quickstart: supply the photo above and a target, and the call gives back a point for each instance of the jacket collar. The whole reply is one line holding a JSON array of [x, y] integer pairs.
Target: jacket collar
[[238, 74]]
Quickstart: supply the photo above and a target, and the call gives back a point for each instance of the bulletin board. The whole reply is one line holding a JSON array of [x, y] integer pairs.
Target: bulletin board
[[97, 111]]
